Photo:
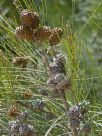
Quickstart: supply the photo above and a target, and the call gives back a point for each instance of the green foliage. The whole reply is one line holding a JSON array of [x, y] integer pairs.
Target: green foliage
[[83, 18]]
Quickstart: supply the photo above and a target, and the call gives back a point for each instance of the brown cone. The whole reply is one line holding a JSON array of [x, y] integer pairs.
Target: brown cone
[[30, 19], [43, 34], [55, 37], [24, 33]]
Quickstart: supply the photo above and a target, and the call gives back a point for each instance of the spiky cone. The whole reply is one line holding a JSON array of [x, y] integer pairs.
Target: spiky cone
[[54, 69], [42, 34], [30, 19], [59, 60], [24, 33], [56, 36], [13, 111], [20, 62]]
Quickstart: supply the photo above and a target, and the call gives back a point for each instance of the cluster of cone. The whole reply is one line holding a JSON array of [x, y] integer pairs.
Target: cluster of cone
[[31, 30], [19, 126], [58, 79], [77, 116], [38, 105]]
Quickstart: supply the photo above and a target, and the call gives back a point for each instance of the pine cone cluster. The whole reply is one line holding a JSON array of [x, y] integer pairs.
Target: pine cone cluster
[[77, 117], [58, 81], [18, 126], [30, 31], [30, 21]]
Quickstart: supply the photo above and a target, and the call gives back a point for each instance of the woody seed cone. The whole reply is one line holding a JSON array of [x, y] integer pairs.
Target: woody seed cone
[[30, 19], [55, 37], [24, 33], [43, 33]]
